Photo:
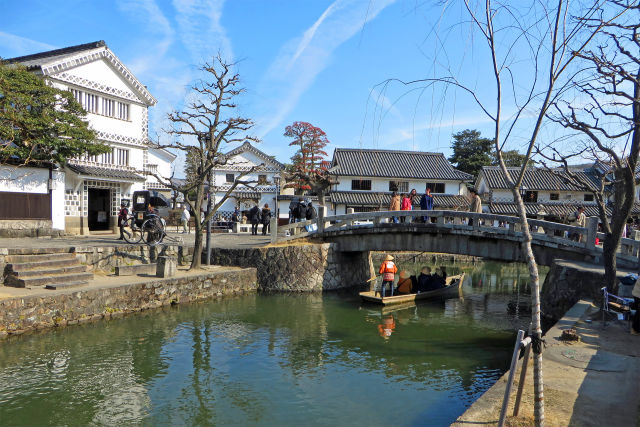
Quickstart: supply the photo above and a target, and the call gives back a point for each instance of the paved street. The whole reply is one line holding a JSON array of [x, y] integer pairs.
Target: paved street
[[220, 240]]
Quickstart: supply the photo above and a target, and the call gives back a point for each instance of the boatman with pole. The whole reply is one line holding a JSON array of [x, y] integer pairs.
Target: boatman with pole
[[388, 270]]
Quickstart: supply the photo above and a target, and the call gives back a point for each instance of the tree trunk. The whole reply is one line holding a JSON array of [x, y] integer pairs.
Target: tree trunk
[[196, 262], [536, 324], [609, 251]]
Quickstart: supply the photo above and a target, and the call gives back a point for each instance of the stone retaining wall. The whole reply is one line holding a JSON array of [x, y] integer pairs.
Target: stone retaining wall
[[429, 258], [28, 228], [568, 282], [302, 268], [18, 315]]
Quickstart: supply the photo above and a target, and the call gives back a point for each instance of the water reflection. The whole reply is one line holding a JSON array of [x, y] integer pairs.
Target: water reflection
[[271, 359]]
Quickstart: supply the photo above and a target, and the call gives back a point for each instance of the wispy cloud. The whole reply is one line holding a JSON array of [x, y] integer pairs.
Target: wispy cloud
[[201, 30], [301, 59], [12, 45]]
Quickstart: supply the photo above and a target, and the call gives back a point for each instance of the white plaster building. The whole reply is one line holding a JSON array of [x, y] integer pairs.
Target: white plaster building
[[546, 194], [266, 180], [366, 179], [117, 109]]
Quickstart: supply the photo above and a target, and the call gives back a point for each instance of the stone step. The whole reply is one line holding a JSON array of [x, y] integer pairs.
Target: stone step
[[28, 282], [40, 250], [40, 265], [49, 271], [16, 259], [67, 285]]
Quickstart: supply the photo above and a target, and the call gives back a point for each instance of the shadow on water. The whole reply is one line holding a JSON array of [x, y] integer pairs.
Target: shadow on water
[[269, 359]]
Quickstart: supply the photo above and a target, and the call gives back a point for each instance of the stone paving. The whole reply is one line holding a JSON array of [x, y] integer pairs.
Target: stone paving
[[220, 240], [593, 382]]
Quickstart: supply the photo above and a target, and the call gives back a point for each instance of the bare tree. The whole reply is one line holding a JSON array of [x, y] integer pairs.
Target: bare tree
[[543, 39], [610, 120], [200, 131]]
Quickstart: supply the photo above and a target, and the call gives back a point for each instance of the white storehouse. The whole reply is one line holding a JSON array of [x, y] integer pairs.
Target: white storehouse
[[366, 179], [264, 181], [117, 109], [545, 193]]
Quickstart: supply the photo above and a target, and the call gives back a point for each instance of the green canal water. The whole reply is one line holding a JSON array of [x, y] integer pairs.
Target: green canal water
[[272, 360]]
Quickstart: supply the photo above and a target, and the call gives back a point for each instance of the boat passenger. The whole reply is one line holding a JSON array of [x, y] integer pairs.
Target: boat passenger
[[404, 283], [440, 280], [388, 270], [423, 279]]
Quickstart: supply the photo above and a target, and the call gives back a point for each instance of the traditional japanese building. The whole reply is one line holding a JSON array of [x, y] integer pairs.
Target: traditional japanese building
[[263, 184], [117, 105], [546, 193], [366, 178]]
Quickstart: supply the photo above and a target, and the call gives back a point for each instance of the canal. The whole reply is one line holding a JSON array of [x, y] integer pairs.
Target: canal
[[272, 359]]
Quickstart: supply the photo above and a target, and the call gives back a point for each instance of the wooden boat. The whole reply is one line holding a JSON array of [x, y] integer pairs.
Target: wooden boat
[[452, 289]]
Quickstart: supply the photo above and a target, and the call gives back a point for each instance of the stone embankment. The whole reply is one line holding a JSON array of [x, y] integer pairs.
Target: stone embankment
[[300, 268], [108, 297], [568, 282]]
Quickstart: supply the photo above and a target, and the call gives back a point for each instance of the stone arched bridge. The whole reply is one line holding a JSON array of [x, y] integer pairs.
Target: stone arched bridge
[[491, 236]]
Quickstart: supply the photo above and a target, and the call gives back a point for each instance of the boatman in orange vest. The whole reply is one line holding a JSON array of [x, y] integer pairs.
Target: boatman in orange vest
[[388, 270]]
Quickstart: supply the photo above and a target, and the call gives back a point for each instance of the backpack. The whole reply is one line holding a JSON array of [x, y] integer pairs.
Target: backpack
[[311, 212]]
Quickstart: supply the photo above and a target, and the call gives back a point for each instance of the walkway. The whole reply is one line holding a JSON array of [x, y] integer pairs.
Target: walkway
[[594, 382], [220, 240]]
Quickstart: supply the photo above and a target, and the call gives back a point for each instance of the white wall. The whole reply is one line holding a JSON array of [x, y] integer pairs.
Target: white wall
[[57, 201], [36, 180], [382, 184]]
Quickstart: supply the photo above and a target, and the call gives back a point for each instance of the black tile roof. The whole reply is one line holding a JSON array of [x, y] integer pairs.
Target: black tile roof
[[537, 179], [105, 172], [383, 199], [395, 164], [37, 59]]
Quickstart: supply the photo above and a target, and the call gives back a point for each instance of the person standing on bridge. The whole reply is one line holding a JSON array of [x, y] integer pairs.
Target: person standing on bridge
[[394, 206], [426, 203], [405, 206], [388, 270], [476, 204]]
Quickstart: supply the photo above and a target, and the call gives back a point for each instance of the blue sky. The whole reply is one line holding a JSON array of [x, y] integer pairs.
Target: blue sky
[[309, 60]]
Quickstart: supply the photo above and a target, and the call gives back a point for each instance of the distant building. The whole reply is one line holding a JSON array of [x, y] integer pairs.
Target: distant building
[[86, 195], [264, 186], [545, 193], [366, 179]]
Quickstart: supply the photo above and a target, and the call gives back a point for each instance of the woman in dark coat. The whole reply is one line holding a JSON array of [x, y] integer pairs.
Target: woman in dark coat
[[254, 217], [266, 219]]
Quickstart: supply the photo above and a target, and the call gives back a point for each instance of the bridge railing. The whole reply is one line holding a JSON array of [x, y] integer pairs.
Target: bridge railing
[[581, 237]]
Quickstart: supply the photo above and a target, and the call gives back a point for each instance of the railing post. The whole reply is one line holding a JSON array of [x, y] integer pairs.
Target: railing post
[[512, 369], [592, 230], [274, 229], [349, 221], [322, 213], [441, 220], [377, 220]]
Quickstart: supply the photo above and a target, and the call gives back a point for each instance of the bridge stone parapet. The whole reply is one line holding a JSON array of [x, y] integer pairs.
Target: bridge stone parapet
[[484, 235]]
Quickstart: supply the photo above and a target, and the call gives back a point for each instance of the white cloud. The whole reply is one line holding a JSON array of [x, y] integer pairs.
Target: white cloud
[[301, 59], [201, 31], [13, 45]]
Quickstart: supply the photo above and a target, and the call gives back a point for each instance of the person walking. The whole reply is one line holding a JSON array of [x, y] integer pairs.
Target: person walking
[[266, 219], [388, 270], [426, 203], [476, 204], [122, 218], [394, 206], [184, 219], [254, 217]]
